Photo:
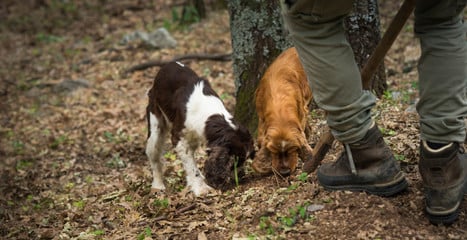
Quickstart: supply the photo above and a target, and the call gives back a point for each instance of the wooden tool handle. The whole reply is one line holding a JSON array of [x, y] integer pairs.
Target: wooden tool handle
[[386, 42]]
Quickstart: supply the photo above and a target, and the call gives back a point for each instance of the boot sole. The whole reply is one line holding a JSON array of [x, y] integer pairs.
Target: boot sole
[[443, 219], [388, 189], [446, 219]]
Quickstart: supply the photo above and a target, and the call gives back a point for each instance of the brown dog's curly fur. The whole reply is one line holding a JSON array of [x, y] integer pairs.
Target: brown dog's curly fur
[[282, 100]]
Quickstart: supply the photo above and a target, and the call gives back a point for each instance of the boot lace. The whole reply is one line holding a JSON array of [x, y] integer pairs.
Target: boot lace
[[350, 157]]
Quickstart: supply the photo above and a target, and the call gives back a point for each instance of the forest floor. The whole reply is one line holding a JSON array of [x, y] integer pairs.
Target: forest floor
[[73, 131]]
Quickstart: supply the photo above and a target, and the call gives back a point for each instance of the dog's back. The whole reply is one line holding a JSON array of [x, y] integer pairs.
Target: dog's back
[[282, 100], [283, 94], [174, 84]]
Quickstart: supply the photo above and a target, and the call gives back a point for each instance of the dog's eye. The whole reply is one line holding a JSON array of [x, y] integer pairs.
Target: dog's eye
[[208, 151]]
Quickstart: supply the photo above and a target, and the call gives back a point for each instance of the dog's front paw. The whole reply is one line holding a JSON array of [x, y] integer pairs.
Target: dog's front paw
[[157, 185], [201, 188]]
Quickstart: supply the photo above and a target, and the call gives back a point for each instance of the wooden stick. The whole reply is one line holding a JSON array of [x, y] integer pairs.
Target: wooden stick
[[325, 141], [386, 42], [319, 151], [158, 63]]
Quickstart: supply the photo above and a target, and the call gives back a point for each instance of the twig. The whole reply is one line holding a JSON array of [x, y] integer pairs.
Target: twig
[[158, 63], [185, 209], [177, 212], [319, 151], [277, 173]]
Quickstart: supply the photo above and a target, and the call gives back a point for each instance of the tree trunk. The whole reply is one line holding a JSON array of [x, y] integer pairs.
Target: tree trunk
[[257, 39], [363, 32]]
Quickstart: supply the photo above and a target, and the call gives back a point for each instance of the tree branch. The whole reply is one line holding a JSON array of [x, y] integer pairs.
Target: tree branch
[[159, 63]]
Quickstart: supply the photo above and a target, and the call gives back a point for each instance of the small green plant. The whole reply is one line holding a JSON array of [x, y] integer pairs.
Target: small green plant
[[161, 203], [119, 137], [295, 214], [79, 204], [292, 187], [69, 186], [146, 233], [88, 179], [303, 177], [225, 96], [288, 221], [236, 172], [23, 164], [18, 146], [116, 161], [32, 110], [251, 236], [414, 84], [170, 156], [98, 232], [168, 24], [188, 15], [86, 39], [48, 38], [387, 132], [109, 136], [29, 198], [10, 133], [58, 141], [206, 72], [399, 157], [265, 224], [387, 95]]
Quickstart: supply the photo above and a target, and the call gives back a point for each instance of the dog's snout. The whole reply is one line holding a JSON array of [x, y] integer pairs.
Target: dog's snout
[[285, 167]]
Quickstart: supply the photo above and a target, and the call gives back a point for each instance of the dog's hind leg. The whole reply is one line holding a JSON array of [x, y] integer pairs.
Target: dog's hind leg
[[194, 177], [157, 127]]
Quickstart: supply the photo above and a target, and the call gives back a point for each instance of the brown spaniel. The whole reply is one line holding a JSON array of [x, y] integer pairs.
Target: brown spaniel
[[282, 100]]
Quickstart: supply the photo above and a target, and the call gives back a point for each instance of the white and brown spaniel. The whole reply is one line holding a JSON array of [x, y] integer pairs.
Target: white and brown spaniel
[[182, 103], [282, 100]]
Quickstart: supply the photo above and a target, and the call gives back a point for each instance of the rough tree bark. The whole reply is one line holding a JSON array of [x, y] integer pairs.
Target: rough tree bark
[[363, 32], [258, 37]]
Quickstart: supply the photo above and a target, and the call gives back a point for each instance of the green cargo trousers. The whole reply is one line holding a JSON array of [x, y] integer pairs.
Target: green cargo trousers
[[317, 32]]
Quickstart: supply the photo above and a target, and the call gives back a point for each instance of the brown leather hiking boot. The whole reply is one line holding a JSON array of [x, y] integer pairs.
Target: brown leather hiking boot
[[367, 165], [444, 174]]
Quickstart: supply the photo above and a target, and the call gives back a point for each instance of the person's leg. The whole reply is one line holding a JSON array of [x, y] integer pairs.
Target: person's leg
[[443, 105], [317, 32], [442, 70]]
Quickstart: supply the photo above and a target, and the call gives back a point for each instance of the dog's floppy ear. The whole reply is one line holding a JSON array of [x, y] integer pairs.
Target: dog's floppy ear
[[218, 169], [215, 130]]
